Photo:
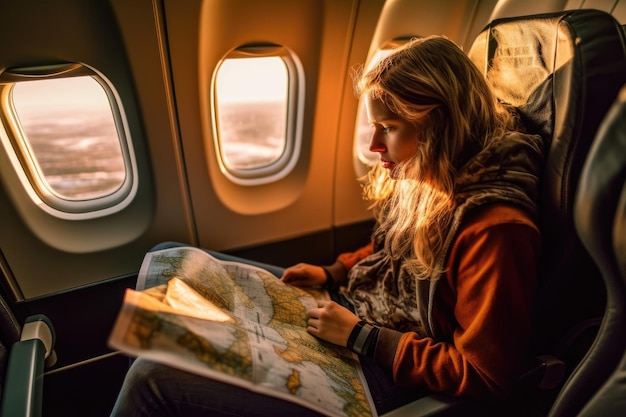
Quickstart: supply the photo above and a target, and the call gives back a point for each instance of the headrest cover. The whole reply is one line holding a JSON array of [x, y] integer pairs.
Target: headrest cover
[[512, 55], [561, 71]]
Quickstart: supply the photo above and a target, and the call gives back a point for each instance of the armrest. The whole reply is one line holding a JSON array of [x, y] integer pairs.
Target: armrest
[[431, 405], [23, 385], [545, 372]]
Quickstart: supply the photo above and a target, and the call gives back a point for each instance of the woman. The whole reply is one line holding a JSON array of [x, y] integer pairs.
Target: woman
[[440, 300]]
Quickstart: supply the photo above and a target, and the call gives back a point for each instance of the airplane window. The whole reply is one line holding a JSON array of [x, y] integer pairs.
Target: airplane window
[[66, 135], [256, 103], [252, 99], [71, 135]]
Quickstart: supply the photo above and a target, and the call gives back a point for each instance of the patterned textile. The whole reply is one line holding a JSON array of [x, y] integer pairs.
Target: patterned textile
[[381, 289]]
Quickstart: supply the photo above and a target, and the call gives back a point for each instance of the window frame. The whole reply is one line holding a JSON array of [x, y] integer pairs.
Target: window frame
[[25, 163], [282, 166]]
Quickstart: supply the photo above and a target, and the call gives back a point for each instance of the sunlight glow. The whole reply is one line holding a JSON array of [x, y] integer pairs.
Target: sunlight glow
[[74, 93], [252, 80]]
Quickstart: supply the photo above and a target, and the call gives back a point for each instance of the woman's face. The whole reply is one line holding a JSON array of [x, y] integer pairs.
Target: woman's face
[[394, 138]]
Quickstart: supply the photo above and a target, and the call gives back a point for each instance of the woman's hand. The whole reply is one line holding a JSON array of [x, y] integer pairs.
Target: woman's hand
[[304, 275], [331, 322]]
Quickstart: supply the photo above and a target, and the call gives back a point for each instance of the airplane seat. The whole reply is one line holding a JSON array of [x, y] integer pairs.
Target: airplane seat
[[600, 219], [24, 353], [561, 72]]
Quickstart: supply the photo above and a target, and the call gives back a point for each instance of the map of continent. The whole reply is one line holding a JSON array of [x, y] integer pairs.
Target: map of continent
[[239, 324]]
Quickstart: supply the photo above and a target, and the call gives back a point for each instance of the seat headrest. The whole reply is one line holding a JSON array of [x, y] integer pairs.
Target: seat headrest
[[561, 71]]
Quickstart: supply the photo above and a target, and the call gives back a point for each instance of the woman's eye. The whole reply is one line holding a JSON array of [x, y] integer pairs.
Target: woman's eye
[[381, 128]]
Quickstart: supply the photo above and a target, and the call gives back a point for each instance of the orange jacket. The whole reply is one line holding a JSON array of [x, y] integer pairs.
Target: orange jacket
[[483, 302]]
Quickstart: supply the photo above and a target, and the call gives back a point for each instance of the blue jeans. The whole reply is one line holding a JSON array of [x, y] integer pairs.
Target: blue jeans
[[152, 389]]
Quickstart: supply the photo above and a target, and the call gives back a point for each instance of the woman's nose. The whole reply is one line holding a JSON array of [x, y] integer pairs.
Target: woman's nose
[[376, 145]]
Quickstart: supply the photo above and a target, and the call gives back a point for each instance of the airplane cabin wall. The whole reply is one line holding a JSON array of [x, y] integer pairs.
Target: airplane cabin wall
[[44, 254], [200, 34], [160, 55]]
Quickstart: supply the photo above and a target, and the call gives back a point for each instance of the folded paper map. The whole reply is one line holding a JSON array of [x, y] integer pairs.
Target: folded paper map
[[238, 324]]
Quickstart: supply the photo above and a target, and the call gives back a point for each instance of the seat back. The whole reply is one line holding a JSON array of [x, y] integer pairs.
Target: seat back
[[600, 219], [562, 71]]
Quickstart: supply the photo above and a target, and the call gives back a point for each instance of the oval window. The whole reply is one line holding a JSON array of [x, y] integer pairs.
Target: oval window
[[71, 135], [66, 135], [257, 96]]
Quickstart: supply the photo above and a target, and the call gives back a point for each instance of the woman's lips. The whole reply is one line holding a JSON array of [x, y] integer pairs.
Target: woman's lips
[[387, 164]]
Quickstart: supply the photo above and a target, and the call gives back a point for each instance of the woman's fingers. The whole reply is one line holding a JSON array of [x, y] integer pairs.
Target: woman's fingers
[[304, 275], [331, 322]]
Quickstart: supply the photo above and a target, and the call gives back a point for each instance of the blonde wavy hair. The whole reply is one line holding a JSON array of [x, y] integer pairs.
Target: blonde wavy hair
[[432, 83]]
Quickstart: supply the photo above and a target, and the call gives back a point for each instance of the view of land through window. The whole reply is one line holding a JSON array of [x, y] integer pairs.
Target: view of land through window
[[78, 154], [252, 111], [252, 134], [71, 133]]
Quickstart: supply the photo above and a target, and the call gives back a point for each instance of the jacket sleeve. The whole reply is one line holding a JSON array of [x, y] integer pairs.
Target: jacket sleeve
[[485, 305], [345, 261]]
